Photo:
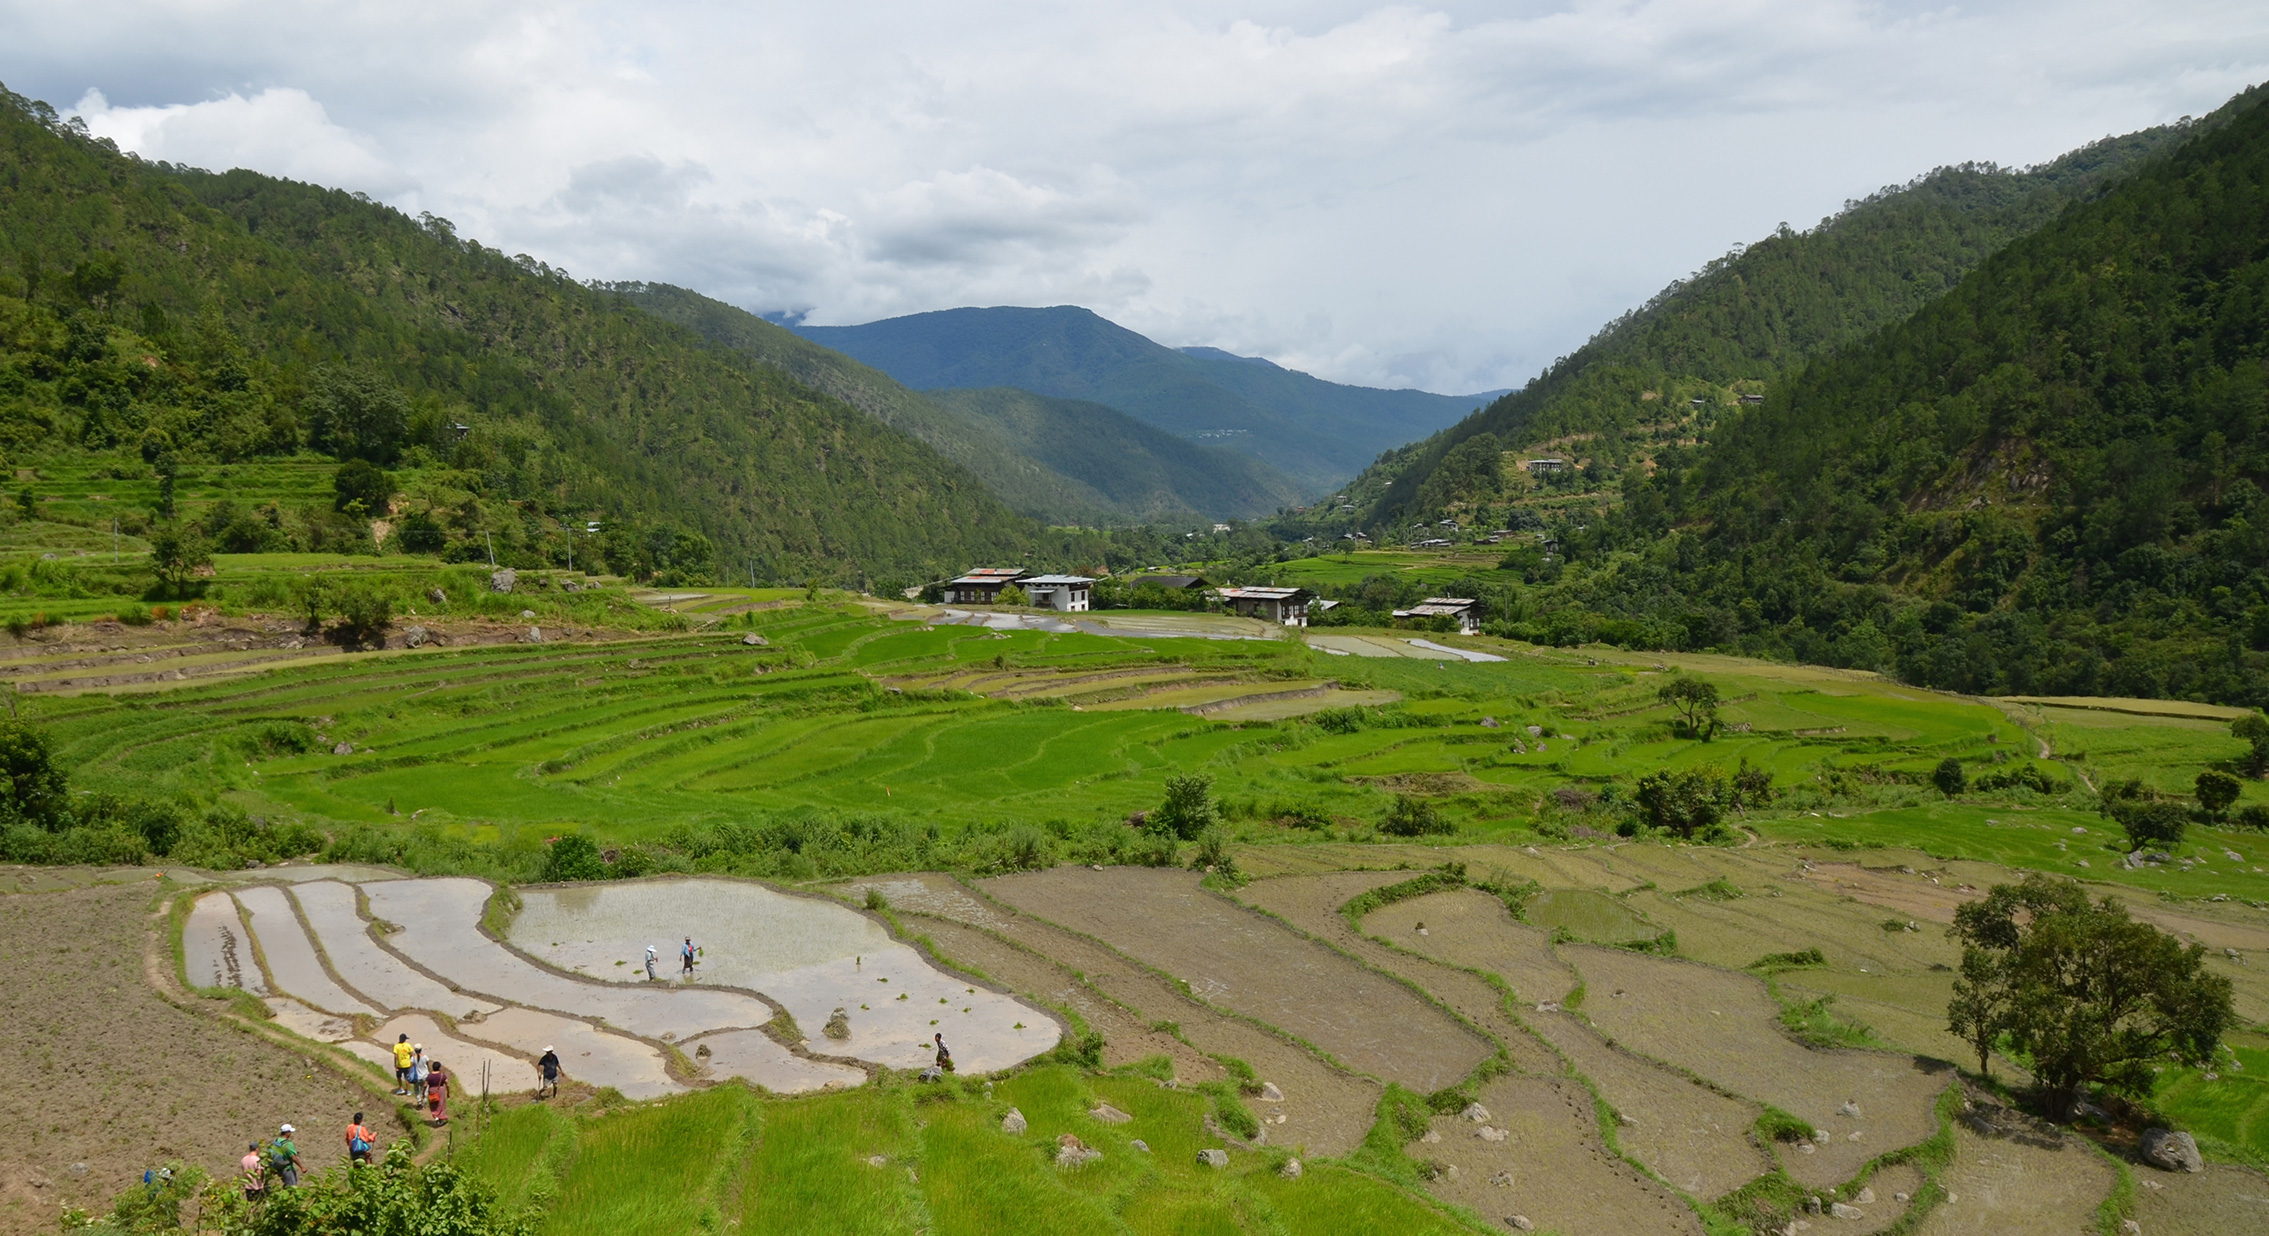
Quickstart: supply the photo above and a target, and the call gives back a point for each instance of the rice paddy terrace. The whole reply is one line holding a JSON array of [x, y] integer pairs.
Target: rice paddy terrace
[[1526, 1019]]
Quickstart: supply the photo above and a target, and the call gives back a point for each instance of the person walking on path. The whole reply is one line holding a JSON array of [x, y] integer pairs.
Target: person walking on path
[[547, 1073], [283, 1158], [437, 1093], [403, 1054], [685, 959], [255, 1187], [419, 1067], [651, 954], [945, 1057], [359, 1142]]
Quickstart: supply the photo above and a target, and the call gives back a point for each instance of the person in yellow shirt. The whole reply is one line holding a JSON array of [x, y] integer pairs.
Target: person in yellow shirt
[[404, 1056]]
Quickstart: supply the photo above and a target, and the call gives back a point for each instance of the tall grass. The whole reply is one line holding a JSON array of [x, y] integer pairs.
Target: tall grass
[[811, 1173], [653, 1170]]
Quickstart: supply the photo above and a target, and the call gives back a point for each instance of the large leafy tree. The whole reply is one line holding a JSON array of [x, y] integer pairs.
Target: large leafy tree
[[1696, 703], [32, 789], [1685, 801], [2079, 988]]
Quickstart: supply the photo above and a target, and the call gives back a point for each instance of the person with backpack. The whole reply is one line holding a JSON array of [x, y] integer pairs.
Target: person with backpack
[[403, 1054], [437, 1093], [283, 1158], [419, 1067], [685, 959], [547, 1073], [359, 1142], [255, 1187], [945, 1057]]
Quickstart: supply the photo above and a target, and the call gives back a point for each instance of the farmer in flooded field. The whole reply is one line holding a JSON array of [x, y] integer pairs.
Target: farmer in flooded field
[[651, 953], [547, 1073], [945, 1057], [685, 959]]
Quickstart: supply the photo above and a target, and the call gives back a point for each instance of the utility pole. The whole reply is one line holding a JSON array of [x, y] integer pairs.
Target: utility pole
[[114, 538], [486, 540]]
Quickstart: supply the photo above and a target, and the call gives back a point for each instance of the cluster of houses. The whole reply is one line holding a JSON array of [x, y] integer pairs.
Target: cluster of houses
[[1291, 607]]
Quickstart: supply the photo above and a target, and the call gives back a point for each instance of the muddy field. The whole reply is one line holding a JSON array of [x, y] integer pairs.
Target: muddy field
[[111, 1079], [1547, 1165], [2012, 1177], [1252, 965]]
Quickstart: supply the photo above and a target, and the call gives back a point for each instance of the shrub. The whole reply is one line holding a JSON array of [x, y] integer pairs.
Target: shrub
[[1949, 777], [1686, 801], [2151, 822], [1413, 817], [1188, 809], [2216, 790], [573, 856], [1213, 852], [2253, 815]]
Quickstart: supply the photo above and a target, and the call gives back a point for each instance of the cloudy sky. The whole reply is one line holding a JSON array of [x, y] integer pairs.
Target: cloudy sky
[[1442, 195]]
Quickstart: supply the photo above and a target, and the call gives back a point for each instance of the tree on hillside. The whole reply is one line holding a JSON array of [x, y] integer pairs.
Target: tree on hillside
[[2253, 728], [1413, 817], [573, 856], [176, 551], [361, 487], [2150, 820], [355, 415], [1694, 700], [2088, 995], [1949, 777], [2216, 790], [1752, 787], [1188, 808], [32, 789], [1686, 802]]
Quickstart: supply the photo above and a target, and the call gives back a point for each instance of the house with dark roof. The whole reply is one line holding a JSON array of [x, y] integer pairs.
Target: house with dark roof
[[1288, 606], [981, 586], [1465, 611]]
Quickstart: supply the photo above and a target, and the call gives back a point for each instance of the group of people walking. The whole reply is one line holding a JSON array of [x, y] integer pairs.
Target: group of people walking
[[424, 1081]]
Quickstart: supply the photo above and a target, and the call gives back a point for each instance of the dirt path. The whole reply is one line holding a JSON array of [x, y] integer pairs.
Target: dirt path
[[2011, 1177], [1248, 963], [2220, 1201], [110, 1079], [1550, 1168]]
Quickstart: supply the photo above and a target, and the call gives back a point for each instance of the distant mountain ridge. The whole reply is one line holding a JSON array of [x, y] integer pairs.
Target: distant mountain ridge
[[1317, 432], [1062, 461]]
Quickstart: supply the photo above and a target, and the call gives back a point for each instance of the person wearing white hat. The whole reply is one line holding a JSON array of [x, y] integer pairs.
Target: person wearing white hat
[[547, 1072], [283, 1158]]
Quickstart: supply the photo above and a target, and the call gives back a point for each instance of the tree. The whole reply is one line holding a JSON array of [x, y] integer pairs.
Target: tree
[[1413, 817], [1694, 700], [2151, 821], [32, 789], [366, 610], [1188, 808], [2253, 728], [1949, 777], [2088, 995], [2216, 790], [1686, 801], [1752, 787], [1012, 596], [361, 487], [574, 856], [419, 534], [354, 415], [176, 551]]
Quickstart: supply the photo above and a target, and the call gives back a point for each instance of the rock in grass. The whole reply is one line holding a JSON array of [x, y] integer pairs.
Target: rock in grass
[[2175, 1152], [838, 1025], [753, 640], [1519, 1223], [1109, 1114], [1290, 1170], [1270, 1094], [1072, 1152], [1866, 1197], [1488, 1133], [1841, 1211], [1476, 1113], [345, 748], [1140, 1145], [1013, 1123], [1213, 1158], [416, 637], [437, 596], [502, 581]]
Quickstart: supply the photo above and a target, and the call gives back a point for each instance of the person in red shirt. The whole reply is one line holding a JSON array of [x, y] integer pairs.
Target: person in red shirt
[[359, 1142], [255, 1183], [437, 1093]]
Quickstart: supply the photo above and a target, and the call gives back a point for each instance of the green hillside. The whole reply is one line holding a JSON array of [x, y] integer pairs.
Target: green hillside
[[2061, 461], [174, 322], [1319, 433], [1062, 461], [1670, 369]]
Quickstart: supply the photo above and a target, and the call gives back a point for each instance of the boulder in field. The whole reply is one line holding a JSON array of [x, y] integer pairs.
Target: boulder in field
[[1270, 1094], [1109, 1114], [416, 637], [1841, 1211], [1476, 1113], [2175, 1152], [344, 748], [1213, 1158], [437, 596], [1290, 1170], [503, 580], [753, 640], [1013, 1123]]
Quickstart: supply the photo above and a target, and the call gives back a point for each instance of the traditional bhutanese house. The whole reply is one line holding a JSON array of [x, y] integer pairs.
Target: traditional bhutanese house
[[1285, 605], [981, 586], [1172, 583], [1068, 593], [1465, 610], [1538, 467]]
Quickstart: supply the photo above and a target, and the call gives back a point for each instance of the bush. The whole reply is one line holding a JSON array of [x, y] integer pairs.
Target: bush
[[1188, 809], [1686, 801], [32, 789], [1949, 777], [2253, 816], [2216, 790], [1413, 817], [573, 856], [2151, 822]]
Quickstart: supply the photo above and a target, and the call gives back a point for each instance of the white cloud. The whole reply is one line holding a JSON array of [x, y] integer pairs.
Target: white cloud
[[1444, 194], [280, 130]]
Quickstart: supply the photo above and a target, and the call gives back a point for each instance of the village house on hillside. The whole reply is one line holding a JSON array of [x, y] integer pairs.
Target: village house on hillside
[[1288, 606], [983, 585], [1064, 593], [1465, 611]]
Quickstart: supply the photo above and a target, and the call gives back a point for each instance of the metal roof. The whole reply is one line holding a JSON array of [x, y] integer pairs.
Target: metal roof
[[1263, 594], [1058, 580]]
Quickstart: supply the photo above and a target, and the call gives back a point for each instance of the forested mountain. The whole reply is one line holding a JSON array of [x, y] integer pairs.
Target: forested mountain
[[2051, 479], [1316, 432], [1670, 369], [1060, 461], [188, 318]]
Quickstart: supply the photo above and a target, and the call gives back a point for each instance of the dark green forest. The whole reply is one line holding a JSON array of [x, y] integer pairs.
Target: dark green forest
[[177, 319]]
